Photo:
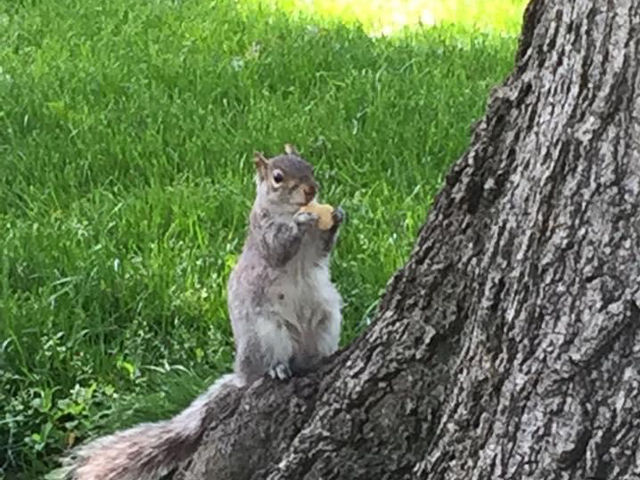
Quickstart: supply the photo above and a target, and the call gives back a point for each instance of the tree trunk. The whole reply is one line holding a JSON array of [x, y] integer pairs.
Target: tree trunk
[[509, 345]]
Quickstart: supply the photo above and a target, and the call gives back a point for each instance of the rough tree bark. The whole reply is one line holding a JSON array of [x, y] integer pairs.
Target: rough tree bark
[[509, 345]]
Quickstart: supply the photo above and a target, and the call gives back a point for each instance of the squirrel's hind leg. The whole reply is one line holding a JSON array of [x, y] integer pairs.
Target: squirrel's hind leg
[[281, 371], [265, 350]]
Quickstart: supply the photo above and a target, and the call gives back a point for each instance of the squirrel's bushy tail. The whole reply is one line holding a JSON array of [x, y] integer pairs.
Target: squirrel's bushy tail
[[149, 450]]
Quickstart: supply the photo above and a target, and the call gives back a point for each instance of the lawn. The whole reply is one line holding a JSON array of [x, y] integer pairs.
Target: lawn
[[126, 135]]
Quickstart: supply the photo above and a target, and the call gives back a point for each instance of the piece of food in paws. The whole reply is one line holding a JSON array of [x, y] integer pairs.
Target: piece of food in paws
[[324, 212]]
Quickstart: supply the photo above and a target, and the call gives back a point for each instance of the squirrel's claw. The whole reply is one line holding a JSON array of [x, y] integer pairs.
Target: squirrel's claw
[[280, 372], [305, 219], [337, 215]]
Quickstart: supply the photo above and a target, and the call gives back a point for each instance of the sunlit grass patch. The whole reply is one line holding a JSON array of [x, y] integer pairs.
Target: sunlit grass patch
[[385, 17]]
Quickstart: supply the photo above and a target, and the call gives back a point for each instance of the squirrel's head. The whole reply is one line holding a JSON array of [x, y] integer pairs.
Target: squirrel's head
[[285, 182]]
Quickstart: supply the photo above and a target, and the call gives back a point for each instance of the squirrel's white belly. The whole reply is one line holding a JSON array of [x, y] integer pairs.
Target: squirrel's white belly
[[309, 306]]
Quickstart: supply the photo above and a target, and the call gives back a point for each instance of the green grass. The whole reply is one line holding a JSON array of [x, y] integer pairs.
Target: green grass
[[126, 135], [380, 17]]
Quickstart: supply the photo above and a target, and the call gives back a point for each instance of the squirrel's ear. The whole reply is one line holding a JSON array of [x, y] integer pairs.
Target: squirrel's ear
[[261, 163], [290, 149]]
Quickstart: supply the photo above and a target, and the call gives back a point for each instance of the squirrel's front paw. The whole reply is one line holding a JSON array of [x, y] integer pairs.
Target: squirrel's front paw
[[280, 371], [305, 219], [337, 215]]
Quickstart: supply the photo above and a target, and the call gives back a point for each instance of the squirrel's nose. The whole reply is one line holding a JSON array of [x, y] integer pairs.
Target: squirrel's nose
[[309, 192]]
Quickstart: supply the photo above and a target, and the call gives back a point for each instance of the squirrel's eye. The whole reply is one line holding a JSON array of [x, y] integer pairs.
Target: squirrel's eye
[[278, 176]]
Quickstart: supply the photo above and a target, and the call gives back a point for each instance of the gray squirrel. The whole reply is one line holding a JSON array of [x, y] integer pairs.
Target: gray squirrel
[[285, 316]]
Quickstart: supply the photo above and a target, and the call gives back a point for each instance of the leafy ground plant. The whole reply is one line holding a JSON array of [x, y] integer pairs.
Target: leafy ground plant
[[126, 134]]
